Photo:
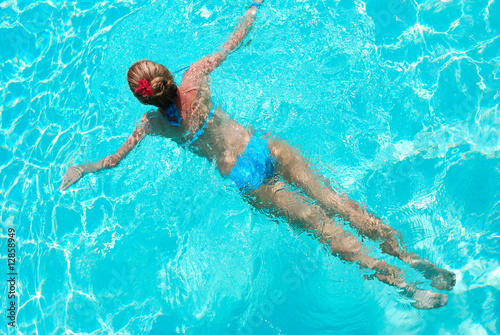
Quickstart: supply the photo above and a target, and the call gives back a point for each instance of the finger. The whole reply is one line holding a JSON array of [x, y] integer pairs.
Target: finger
[[64, 185], [64, 181], [67, 181], [67, 184]]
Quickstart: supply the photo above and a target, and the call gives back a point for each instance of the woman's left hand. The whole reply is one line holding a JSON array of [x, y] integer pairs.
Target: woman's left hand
[[111, 161], [72, 175]]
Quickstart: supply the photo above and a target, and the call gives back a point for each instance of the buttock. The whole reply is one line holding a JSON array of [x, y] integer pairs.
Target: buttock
[[254, 165]]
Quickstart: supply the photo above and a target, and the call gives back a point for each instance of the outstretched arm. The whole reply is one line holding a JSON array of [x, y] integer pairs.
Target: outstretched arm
[[74, 173], [207, 64]]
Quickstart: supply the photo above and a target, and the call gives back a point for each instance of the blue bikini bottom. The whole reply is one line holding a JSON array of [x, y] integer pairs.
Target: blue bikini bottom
[[254, 165]]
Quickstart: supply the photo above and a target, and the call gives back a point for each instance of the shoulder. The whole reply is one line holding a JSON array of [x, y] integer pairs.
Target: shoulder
[[144, 125], [192, 80], [149, 116], [193, 90]]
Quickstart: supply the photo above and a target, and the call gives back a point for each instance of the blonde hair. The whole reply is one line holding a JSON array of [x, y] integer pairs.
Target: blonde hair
[[158, 77]]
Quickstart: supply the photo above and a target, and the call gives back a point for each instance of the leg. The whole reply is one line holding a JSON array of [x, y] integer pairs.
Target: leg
[[302, 216], [295, 169]]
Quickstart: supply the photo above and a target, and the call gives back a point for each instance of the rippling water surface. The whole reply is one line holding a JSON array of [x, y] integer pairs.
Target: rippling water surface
[[396, 101]]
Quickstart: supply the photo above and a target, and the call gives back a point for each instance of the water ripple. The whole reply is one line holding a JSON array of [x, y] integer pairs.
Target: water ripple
[[398, 101]]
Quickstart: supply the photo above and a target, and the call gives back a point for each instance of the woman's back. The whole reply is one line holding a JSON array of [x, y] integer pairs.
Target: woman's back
[[223, 139]]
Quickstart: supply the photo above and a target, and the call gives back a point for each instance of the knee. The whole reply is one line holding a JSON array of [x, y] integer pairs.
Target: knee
[[309, 218], [348, 249], [390, 245], [377, 230]]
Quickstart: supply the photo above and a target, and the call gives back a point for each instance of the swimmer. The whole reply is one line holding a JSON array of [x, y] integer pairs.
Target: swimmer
[[263, 168]]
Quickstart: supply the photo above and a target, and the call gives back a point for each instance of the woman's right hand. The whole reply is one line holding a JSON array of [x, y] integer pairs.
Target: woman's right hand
[[73, 173]]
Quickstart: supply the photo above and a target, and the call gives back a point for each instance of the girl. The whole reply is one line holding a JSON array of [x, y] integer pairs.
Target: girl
[[262, 167]]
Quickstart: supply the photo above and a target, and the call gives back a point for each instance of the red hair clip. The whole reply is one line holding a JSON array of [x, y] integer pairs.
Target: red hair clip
[[144, 88]]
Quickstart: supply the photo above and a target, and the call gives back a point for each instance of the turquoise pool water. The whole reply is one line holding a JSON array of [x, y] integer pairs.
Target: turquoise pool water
[[396, 102]]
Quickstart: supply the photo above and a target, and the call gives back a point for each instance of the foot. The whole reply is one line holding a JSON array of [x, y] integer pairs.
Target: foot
[[441, 279], [425, 299]]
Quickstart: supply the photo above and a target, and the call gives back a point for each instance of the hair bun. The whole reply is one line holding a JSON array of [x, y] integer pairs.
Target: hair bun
[[160, 80], [158, 85]]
